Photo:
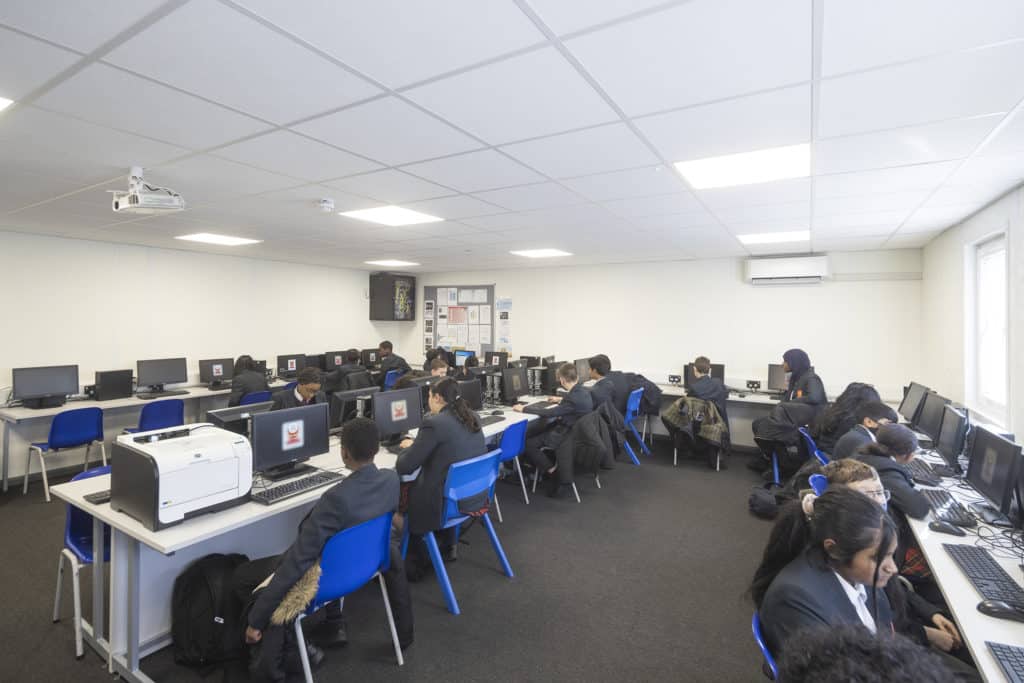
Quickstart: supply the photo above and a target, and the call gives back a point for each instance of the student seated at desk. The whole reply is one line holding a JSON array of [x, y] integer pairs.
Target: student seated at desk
[[550, 433], [366, 493], [351, 364], [463, 372], [306, 391], [706, 387], [608, 386], [893, 448], [870, 416], [439, 352], [439, 367], [450, 433], [248, 379], [841, 415], [390, 360]]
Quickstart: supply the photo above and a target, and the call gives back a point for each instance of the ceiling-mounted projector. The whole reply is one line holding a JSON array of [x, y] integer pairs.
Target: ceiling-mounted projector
[[145, 199]]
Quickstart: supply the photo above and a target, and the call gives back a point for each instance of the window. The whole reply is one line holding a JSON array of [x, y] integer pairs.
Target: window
[[991, 329]]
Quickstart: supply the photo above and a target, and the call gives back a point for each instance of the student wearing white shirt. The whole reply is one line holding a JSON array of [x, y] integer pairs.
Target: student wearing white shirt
[[870, 416]]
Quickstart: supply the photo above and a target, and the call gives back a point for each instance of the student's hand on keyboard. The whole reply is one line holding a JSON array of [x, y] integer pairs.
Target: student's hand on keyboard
[[518, 407], [554, 399], [405, 443]]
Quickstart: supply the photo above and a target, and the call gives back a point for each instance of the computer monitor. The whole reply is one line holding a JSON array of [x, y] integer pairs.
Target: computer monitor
[[216, 370], [397, 411], [950, 443], [472, 393], [549, 381], [44, 386], [461, 356], [282, 439], [289, 365], [499, 358], [333, 360], [993, 468], [236, 419], [929, 418], [260, 365], [547, 359], [424, 383], [717, 371], [158, 372], [368, 358], [582, 369], [344, 404], [776, 378], [520, 363], [316, 360], [514, 384], [111, 384], [912, 400], [532, 361]]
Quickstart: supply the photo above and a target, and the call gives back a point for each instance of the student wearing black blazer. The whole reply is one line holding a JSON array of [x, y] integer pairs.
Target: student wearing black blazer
[[609, 387], [450, 433], [893, 448], [306, 391], [389, 360], [870, 416], [247, 379], [708, 388]]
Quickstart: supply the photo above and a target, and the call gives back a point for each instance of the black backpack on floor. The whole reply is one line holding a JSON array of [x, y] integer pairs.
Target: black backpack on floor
[[205, 619]]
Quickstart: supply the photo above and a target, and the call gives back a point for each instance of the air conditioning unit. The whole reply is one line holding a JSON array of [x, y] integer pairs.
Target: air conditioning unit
[[792, 270]]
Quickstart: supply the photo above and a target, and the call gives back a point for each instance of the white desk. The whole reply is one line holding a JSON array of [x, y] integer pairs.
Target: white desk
[[962, 598]]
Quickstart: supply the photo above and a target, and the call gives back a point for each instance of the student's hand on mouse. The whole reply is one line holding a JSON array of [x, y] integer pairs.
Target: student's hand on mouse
[[554, 399], [253, 635], [405, 443], [518, 407], [944, 624], [939, 639]]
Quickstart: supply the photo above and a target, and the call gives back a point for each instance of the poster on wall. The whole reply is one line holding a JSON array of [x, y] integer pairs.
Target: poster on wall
[[428, 310], [456, 315], [503, 307]]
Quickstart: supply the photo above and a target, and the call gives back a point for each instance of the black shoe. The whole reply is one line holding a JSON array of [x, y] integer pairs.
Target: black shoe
[[331, 634], [293, 662], [560, 492], [416, 571], [450, 553]]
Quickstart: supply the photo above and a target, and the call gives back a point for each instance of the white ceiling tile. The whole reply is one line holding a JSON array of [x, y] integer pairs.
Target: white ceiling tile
[[81, 26], [901, 179], [865, 218], [596, 150], [460, 206], [140, 106], [64, 216], [881, 201], [903, 146], [742, 124], [867, 243], [780, 249], [677, 221], [571, 219], [768, 225], [796, 212], [937, 218], [859, 34], [398, 42], [635, 182], [777, 192], [218, 53], [448, 230], [37, 141], [390, 131], [990, 173], [866, 231], [476, 171], [391, 186], [1010, 136], [25, 64], [289, 154], [984, 81], [497, 222], [700, 51], [914, 240], [527, 197], [528, 96], [21, 189], [682, 202], [955, 195], [201, 179], [566, 16]]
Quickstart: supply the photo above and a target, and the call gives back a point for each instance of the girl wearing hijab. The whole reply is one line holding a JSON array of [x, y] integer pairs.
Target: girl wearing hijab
[[804, 385]]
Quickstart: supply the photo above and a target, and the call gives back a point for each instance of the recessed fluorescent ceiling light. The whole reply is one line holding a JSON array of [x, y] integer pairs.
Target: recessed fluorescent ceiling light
[[541, 253], [391, 263], [4, 103], [747, 168], [775, 237], [391, 215], [222, 240]]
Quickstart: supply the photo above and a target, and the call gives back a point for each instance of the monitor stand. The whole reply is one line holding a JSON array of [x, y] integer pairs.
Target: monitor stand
[[43, 402], [990, 515], [157, 391], [286, 471]]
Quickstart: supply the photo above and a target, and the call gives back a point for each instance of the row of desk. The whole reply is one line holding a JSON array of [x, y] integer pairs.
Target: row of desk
[[144, 563]]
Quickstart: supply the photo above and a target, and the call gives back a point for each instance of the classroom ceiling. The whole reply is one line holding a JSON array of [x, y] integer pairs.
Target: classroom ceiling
[[523, 123]]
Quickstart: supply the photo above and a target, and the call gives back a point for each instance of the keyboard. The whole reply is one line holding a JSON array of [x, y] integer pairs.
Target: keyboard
[[985, 574], [295, 487], [490, 419], [150, 395], [948, 509], [922, 472], [99, 497], [1011, 658]]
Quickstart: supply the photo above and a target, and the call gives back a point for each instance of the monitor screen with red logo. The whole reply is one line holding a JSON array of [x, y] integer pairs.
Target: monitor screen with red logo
[[282, 438]]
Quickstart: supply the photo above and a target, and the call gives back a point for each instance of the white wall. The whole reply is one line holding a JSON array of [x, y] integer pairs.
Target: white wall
[[104, 306], [945, 306], [654, 317]]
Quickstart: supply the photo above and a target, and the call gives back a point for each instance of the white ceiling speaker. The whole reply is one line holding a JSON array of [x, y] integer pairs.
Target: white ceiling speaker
[[326, 206]]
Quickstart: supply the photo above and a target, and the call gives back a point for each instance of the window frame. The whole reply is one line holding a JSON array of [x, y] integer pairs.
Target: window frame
[[998, 413]]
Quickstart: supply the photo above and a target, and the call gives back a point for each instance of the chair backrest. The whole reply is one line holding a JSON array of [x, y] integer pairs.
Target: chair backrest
[[255, 397], [289, 387], [356, 380], [161, 414], [633, 404], [76, 427], [812, 447], [470, 478], [351, 558], [78, 523], [818, 482], [390, 378], [513, 440], [755, 626]]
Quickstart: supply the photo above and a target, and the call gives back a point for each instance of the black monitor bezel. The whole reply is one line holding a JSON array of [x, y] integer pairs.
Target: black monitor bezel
[[138, 372], [974, 466], [308, 415], [229, 364], [14, 381], [411, 393]]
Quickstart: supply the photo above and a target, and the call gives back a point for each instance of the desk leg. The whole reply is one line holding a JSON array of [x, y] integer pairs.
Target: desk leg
[[98, 577], [127, 665], [6, 454]]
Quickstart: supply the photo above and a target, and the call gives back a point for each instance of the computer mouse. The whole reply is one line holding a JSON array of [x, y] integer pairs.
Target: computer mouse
[[497, 412], [945, 528], [1000, 610], [743, 395]]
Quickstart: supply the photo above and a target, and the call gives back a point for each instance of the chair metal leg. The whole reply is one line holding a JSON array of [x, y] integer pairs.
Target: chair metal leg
[[60, 582], [576, 492], [303, 655], [46, 483], [497, 508], [522, 482], [775, 468], [103, 453], [496, 544], [28, 467], [76, 586], [391, 620], [718, 461], [536, 476], [675, 457], [645, 431], [441, 572]]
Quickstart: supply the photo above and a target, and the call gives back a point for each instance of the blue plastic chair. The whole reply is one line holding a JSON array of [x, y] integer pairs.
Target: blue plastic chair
[[769, 661], [255, 397], [160, 415], [465, 479], [350, 559], [69, 429], [813, 447], [632, 413], [513, 443], [390, 378], [289, 387], [78, 527], [818, 482]]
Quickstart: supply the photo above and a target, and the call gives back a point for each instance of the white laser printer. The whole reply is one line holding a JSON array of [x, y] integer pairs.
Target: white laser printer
[[165, 476]]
